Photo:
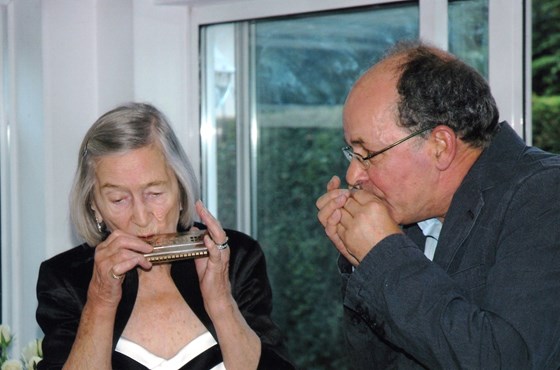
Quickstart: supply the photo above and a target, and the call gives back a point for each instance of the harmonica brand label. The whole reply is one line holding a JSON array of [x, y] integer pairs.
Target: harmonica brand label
[[177, 246]]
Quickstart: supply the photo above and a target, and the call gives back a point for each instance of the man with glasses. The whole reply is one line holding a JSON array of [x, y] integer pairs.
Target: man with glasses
[[449, 231]]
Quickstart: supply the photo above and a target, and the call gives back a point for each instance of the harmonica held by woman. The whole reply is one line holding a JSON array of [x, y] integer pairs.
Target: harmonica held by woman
[[177, 246]]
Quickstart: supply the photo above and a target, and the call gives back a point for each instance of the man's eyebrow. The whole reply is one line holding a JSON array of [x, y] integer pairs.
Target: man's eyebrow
[[357, 142]]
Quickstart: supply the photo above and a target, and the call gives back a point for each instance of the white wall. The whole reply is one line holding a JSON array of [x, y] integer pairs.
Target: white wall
[[24, 211], [70, 62]]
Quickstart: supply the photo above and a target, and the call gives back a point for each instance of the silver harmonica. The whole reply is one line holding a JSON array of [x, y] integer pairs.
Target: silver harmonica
[[177, 246]]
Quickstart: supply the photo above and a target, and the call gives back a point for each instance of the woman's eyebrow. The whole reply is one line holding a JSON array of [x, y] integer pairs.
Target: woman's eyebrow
[[109, 185]]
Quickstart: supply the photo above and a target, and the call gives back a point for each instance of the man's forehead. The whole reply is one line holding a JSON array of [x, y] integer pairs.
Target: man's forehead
[[371, 132]]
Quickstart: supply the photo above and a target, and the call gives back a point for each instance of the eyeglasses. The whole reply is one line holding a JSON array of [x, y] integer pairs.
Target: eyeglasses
[[349, 152]]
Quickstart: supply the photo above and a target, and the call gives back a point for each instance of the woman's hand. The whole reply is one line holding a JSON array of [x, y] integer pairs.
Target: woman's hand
[[114, 257], [213, 270], [240, 345]]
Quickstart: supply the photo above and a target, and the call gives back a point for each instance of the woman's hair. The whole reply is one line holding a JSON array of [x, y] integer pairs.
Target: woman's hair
[[436, 88], [128, 127]]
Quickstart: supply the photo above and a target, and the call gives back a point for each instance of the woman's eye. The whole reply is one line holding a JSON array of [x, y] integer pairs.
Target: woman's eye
[[118, 200]]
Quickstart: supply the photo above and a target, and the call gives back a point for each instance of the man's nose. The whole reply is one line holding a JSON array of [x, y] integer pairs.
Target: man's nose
[[356, 173]]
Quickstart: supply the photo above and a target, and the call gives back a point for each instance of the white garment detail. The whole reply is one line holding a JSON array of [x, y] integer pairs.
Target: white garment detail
[[431, 229], [153, 362]]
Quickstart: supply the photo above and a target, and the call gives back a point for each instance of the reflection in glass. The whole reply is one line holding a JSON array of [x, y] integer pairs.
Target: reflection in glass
[[468, 32]]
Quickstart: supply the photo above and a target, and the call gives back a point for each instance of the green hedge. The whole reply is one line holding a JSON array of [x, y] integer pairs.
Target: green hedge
[[546, 122]]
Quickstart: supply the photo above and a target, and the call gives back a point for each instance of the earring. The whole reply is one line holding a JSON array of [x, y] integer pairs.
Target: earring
[[99, 225]]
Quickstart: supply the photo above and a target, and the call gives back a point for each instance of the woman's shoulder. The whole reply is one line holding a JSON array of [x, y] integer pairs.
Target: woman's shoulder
[[239, 237], [243, 244], [74, 259]]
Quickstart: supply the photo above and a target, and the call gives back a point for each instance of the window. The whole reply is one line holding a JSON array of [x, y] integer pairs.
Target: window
[[272, 137], [272, 93], [468, 32]]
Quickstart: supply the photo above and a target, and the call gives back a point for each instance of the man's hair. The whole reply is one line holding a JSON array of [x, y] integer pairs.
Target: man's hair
[[437, 88], [125, 128]]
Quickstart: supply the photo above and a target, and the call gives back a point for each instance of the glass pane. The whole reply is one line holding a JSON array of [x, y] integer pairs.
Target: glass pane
[[546, 74], [468, 32], [218, 131], [305, 67], [297, 73]]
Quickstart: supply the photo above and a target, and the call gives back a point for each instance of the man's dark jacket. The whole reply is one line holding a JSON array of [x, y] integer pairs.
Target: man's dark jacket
[[491, 297]]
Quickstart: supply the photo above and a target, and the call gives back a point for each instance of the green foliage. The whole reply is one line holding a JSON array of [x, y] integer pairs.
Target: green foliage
[[546, 122], [227, 173], [546, 47], [546, 74], [302, 261]]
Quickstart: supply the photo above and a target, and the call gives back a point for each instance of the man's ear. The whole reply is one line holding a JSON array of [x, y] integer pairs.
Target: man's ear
[[445, 146]]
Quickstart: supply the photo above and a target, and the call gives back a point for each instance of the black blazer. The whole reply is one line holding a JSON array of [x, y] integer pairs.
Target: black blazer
[[64, 280], [491, 297]]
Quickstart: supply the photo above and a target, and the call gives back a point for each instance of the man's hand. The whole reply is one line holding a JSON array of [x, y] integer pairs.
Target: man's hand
[[330, 207], [364, 222], [354, 220]]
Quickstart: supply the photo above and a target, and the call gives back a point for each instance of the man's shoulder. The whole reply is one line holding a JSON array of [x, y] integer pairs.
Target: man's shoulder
[[509, 161], [545, 159], [534, 162]]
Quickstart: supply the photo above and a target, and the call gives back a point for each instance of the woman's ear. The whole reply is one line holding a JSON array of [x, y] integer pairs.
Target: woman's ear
[[445, 146], [96, 213]]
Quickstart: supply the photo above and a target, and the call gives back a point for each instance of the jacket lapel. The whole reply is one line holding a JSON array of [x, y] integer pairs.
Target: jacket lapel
[[468, 201], [457, 226]]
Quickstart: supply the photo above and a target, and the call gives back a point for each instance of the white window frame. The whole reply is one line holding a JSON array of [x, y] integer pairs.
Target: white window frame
[[9, 210]]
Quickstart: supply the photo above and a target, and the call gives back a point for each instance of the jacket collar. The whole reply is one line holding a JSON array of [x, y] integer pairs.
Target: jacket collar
[[491, 168]]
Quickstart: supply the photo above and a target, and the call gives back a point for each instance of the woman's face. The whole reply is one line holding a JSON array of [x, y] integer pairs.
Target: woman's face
[[136, 192]]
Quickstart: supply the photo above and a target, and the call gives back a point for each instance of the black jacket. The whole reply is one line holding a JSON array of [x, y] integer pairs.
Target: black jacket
[[491, 297], [64, 280]]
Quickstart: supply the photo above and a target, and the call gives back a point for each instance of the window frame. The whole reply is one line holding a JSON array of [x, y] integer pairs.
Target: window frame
[[509, 61], [6, 221]]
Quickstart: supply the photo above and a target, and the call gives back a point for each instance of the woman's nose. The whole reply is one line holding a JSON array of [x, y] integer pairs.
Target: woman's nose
[[141, 213]]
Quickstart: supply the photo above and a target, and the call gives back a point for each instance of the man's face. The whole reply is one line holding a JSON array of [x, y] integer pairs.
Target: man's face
[[403, 176]]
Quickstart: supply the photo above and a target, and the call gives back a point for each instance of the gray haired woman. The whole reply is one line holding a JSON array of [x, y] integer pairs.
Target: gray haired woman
[[104, 305]]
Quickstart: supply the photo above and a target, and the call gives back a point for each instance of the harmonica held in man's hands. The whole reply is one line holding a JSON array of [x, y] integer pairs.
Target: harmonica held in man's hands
[[177, 246]]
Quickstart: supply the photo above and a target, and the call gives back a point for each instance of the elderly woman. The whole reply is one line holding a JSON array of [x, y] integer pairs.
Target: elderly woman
[[104, 305]]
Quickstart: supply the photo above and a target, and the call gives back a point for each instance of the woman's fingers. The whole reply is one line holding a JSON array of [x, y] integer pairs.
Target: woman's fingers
[[214, 227], [120, 253]]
